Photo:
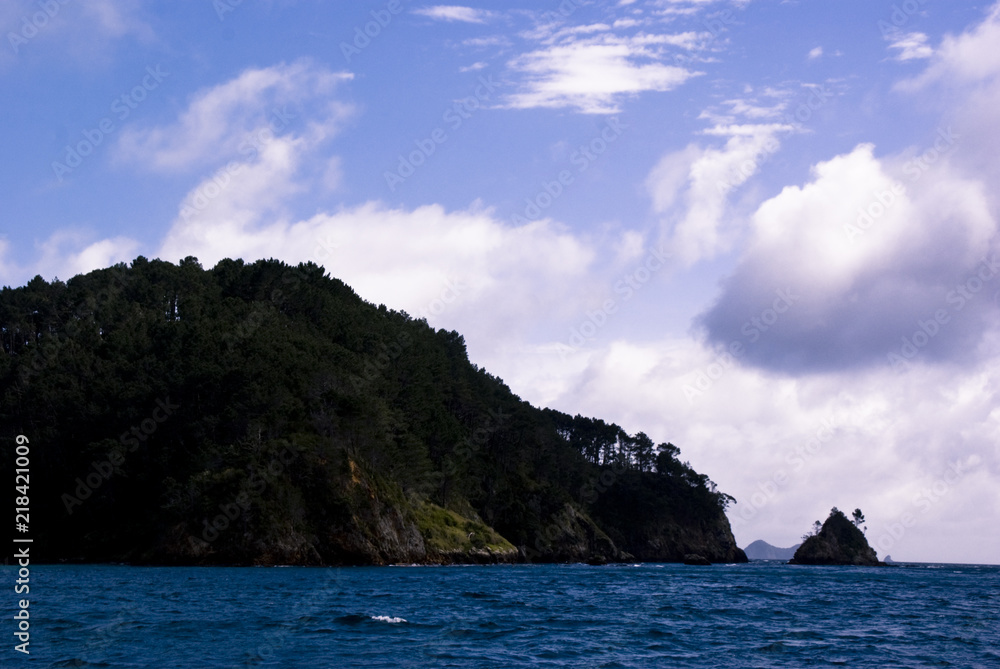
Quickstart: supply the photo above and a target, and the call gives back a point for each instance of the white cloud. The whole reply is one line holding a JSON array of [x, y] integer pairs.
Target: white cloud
[[891, 438], [872, 248], [964, 59], [231, 118], [592, 76], [750, 109], [500, 278], [65, 254], [80, 32], [691, 188], [815, 53], [911, 46], [962, 80], [455, 13], [481, 42], [594, 66], [461, 269], [117, 18]]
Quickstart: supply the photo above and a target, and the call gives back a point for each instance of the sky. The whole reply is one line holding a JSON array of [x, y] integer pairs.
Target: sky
[[762, 230]]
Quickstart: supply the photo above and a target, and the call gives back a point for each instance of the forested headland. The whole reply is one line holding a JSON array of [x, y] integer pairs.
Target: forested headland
[[265, 414]]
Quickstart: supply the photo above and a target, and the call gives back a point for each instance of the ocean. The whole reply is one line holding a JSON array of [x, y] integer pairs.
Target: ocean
[[762, 614]]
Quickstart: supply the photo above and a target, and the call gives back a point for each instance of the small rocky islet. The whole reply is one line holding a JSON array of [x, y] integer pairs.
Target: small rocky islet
[[838, 542]]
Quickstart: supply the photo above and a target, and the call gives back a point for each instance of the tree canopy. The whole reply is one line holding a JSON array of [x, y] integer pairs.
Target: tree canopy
[[156, 394]]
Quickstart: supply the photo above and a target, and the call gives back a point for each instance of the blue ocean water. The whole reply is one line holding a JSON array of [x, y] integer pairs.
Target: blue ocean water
[[655, 615]]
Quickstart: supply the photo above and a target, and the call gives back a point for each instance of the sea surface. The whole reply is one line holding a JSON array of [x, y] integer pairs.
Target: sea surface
[[763, 614]]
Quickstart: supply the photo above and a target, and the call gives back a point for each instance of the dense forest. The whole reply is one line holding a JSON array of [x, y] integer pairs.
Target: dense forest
[[264, 413]]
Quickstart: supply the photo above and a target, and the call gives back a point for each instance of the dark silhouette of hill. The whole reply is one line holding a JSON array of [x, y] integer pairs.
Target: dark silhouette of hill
[[761, 550], [264, 413], [839, 542]]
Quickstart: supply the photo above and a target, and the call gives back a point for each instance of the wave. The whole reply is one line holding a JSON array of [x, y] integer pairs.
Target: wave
[[389, 619]]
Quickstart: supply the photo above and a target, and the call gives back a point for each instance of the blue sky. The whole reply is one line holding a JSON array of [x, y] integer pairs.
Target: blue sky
[[763, 230]]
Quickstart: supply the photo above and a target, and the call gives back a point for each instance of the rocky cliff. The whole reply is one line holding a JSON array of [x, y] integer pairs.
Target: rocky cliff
[[838, 542]]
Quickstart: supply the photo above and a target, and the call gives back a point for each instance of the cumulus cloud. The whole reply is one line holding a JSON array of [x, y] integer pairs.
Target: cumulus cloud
[[870, 252]]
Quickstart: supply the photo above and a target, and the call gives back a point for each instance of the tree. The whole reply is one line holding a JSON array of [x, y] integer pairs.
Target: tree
[[642, 452], [858, 518], [817, 526]]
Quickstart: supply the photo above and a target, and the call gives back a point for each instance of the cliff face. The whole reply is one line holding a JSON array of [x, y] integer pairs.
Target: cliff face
[[672, 542], [266, 414], [839, 542]]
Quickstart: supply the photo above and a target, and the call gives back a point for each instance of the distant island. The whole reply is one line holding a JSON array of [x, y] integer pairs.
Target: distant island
[[761, 550], [265, 414], [839, 541]]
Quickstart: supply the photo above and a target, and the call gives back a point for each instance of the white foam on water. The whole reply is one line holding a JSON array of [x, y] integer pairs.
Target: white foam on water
[[389, 619]]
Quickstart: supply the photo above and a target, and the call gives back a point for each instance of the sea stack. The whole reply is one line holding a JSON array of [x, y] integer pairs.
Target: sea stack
[[838, 542]]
